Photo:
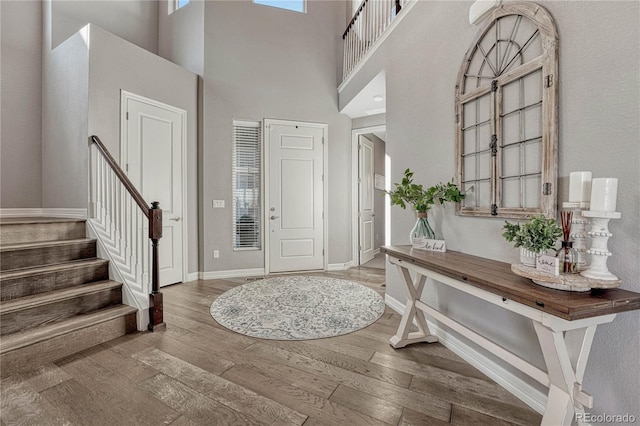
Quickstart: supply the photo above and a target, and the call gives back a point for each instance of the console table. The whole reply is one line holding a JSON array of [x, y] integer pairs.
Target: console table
[[565, 322]]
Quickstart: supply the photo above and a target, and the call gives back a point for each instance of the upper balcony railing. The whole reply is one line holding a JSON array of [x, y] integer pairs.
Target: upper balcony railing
[[368, 23]]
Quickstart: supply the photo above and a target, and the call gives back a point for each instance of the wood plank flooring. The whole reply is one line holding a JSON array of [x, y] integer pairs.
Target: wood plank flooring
[[197, 372]]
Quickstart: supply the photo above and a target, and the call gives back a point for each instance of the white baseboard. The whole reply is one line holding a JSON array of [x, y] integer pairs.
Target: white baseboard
[[71, 213], [234, 273], [514, 384], [339, 266], [376, 251], [193, 276], [44, 212], [394, 304]]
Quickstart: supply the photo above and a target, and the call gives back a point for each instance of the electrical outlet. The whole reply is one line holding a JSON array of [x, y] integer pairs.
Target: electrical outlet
[[216, 254], [218, 204]]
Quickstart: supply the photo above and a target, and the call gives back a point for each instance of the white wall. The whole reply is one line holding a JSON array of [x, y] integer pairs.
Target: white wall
[[181, 35], [65, 88], [133, 20], [21, 104], [262, 62], [368, 121], [599, 131]]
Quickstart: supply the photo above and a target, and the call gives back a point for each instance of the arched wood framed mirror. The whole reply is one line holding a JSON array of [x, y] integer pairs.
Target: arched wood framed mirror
[[507, 115]]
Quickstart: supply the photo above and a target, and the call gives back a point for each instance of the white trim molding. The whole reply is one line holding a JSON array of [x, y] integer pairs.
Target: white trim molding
[[44, 212], [339, 266], [522, 390], [193, 276], [130, 296], [233, 273]]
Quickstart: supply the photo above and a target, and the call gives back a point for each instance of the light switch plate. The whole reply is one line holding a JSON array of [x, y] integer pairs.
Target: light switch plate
[[218, 204]]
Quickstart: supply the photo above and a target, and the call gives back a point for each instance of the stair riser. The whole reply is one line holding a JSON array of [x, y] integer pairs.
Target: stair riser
[[47, 255], [14, 322], [34, 232], [30, 357], [33, 284]]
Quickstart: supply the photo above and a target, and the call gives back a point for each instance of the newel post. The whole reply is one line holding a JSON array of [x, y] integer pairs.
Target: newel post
[[155, 298]]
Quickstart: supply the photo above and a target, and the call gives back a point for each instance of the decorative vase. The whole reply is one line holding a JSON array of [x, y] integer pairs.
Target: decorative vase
[[528, 257], [567, 258], [422, 229]]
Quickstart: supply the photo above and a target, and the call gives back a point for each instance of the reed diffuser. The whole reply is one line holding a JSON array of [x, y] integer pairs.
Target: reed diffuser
[[567, 255]]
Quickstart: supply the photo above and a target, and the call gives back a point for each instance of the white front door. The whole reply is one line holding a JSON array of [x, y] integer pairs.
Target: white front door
[[152, 150], [294, 208], [365, 199]]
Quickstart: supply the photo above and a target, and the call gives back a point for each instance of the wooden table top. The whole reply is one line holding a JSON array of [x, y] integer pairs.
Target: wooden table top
[[496, 277]]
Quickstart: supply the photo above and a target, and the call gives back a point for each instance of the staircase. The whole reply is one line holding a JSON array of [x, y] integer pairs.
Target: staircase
[[56, 298]]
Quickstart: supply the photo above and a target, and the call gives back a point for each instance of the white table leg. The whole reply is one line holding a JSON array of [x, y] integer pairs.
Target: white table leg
[[565, 354], [413, 290]]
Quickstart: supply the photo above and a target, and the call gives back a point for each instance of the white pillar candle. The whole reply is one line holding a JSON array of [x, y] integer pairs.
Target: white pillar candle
[[604, 192], [579, 187]]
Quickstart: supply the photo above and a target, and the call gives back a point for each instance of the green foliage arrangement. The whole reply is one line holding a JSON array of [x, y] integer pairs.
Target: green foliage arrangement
[[538, 234], [407, 192]]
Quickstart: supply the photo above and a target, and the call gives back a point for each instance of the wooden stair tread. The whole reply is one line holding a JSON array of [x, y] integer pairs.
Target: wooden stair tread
[[28, 220], [37, 270], [39, 244], [40, 299], [29, 337]]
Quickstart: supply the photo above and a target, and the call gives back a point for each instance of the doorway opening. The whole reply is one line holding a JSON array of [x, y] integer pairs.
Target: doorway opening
[[369, 201]]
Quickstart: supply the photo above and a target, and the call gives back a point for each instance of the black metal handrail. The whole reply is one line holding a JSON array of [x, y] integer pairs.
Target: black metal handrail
[[154, 215]]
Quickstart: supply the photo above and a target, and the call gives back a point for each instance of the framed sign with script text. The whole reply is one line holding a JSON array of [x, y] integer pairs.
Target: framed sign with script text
[[431, 245], [548, 264]]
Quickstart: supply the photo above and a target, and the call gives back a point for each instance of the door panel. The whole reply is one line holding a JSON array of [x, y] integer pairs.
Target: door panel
[[296, 191], [295, 204], [365, 199], [152, 154]]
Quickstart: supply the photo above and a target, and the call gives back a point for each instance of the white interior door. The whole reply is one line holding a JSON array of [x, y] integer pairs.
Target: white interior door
[[366, 228], [152, 153], [295, 196]]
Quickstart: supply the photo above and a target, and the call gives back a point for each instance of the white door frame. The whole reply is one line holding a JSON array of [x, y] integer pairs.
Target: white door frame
[[124, 97], [355, 156], [267, 170]]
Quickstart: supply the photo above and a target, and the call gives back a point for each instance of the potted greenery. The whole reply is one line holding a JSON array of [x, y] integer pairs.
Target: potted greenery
[[421, 200], [534, 237]]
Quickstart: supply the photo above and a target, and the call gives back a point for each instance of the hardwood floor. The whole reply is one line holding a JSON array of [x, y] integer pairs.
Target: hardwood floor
[[197, 372]]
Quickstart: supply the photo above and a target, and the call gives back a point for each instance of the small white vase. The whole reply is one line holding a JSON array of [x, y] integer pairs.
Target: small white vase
[[528, 257]]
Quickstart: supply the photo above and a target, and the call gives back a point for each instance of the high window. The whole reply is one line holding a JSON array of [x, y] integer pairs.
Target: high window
[[246, 180], [294, 5], [507, 115], [177, 4]]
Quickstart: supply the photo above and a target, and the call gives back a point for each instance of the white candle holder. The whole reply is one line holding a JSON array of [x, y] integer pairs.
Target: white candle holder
[[579, 232], [599, 252]]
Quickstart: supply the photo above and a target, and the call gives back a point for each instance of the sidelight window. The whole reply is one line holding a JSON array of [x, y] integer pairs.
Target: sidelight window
[[247, 187]]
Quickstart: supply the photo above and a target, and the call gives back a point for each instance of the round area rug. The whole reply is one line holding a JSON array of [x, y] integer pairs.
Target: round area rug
[[297, 308]]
